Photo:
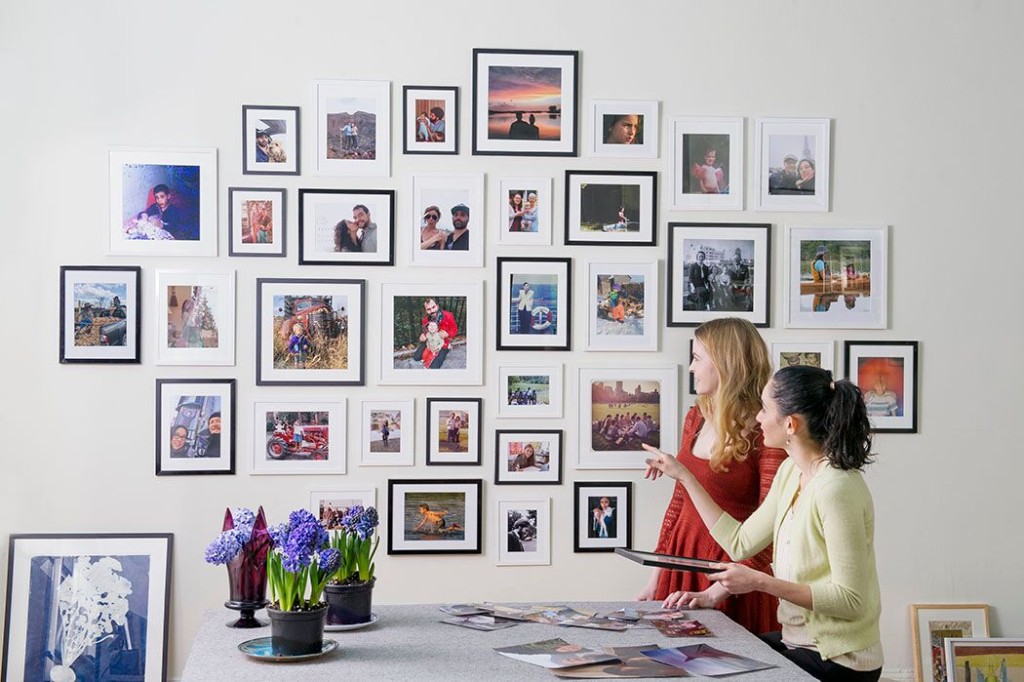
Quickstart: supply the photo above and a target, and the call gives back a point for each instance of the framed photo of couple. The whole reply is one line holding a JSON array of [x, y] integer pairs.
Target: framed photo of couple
[[270, 140], [353, 127], [534, 303], [447, 224], [346, 227], [454, 431], [707, 163], [100, 314], [791, 166], [195, 426], [430, 119], [435, 516]]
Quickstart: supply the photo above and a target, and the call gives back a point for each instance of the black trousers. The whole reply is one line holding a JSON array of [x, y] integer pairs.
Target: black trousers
[[816, 666]]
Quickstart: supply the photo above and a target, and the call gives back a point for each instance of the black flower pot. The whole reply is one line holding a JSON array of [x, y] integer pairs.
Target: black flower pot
[[349, 604], [295, 633]]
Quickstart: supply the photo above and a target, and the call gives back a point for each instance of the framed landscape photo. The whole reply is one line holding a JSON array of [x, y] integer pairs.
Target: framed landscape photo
[[299, 437], [718, 270], [622, 306], [346, 227], [454, 431], [524, 211], [353, 127], [270, 140], [163, 201], [430, 119], [707, 163], [388, 429], [602, 516], [524, 532], [791, 166], [837, 277], [100, 314], [435, 516], [256, 221], [624, 129], [988, 658], [532, 392], [886, 373], [534, 307], [447, 227], [310, 332], [121, 580], [932, 624], [330, 505], [810, 353], [195, 317], [525, 101], [528, 457], [611, 208], [195, 426]]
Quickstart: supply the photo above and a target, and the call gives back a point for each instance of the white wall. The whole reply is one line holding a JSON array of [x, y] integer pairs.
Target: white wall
[[926, 138]]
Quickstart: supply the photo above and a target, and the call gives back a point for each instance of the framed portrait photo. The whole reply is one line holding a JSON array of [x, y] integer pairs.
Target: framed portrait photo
[[353, 127], [528, 457], [707, 163], [524, 211], [330, 505], [100, 314], [430, 119], [346, 227], [932, 624], [388, 429], [256, 221], [810, 353], [447, 226], [837, 277], [454, 434], [52, 580], [270, 140], [523, 532], [195, 426], [530, 392], [791, 168], [886, 373], [602, 516], [994, 658], [534, 306], [299, 437], [622, 306], [525, 101], [163, 201], [611, 208], [310, 331], [622, 129], [195, 317], [435, 516]]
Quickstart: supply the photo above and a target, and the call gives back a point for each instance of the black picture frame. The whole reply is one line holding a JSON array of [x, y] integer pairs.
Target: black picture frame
[[310, 249], [436, 491], [278, 248], [410, 142], [251, 115], [546, 313], [886, 364], [124, 321], [195, 417], [584, 203], [583, 530], [502, 475], [474, 453]]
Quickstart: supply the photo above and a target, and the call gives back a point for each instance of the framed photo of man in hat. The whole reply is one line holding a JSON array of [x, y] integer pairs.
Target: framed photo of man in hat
[[447, 225], [270, 140]]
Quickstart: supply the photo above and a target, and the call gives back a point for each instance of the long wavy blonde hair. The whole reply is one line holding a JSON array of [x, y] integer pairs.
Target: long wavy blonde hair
[[740, 357]]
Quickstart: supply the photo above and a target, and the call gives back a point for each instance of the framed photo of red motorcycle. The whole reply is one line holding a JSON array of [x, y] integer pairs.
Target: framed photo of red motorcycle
[[195, 426], [299, 437]]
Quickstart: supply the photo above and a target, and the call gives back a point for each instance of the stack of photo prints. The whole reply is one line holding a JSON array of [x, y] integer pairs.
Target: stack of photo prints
[[487, 616]]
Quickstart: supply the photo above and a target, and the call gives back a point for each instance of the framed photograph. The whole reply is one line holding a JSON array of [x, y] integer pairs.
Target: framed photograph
[[454, 431], [707, 163], [791, 169], [611, 208], [622, 306], [100, 314], [163, 202], [886, 372], [270, 140], [448, 212], [534, 307], [121, 581], [602, 516], [310, 332], [195, 317], [621, 129], [346, 227], [430, 119], [995, 658], [388, 428], [524, 532], [524, 211], [256, 221], [294, 437], [718, 270], [195, 426], [353, 127], [532, 457], [330, 505], [435, 333], [434, 516], [837, 277], [932, 624], [532, 392], [812, 353], [525, 101], [622, 409]]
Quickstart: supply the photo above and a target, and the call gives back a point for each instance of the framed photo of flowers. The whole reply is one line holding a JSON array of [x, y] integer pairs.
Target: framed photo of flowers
[[622, 306], [435, 516], [256, 221], [100, 314], [195, 320], [353, 127], [528, 457], [195, 426], [602, 516], [330, 505], [388, 429], [534, 304], [524, 532], [811, 353], [430, 119], [886, 372], [707, 163], [454, 434], [791, 166], [447, 225], [121, 580], [932, 624], [624, 129], [533, 392], [994, 658], [299, 437], [270, 140], [611, 208], [524, 211], [346, 227]]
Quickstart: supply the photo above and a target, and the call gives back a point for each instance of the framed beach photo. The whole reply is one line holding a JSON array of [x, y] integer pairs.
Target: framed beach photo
[[624, 129], [528, 457], [435, 516], [447, 226], [791, 166], [299, 437], [886, 373], [611, 208], [256, 221], [837, 277], [707, 163], [986, 658], [195, 426], [163, 202], [454, 431], [100, 314], [602, 516], [932, 624], [310, 332], [346, 227], [430, 119], [79, 606], [525, 101], [718, 270], [270, 140], [387, 432], [622, 306], [353, 127], [524, 211], [195, 317], [534, 306], [330, 505], [532, 392], [523, 532], [810, 353]]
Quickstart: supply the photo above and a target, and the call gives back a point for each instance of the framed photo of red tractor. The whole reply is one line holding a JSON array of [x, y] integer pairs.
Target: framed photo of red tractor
[[299, 437]]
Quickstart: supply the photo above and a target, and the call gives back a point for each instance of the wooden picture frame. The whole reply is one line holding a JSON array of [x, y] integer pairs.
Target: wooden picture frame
[[931, 624]]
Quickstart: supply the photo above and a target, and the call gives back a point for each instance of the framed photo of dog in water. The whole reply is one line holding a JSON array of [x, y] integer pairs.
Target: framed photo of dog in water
[[534, 307], [611, 208], [435, 516], [270, 140], [430, 119]]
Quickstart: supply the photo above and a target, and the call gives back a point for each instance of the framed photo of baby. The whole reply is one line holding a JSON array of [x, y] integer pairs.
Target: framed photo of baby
[[435, 516], [524, 211], [256, 221], [534, 304], [270, 140], [707, 163], [454, 431], [346, 227], [430, 119], [602, 518], [791, 166], [886, 372]]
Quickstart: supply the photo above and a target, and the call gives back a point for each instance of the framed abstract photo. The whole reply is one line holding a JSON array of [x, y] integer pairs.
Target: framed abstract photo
[[533, 392], [624, 129], [270, 140], [886, 373], [528, 457], [525, 102], [611, 208], [121, 581], [602, 516], [435, 516], [791, 166], [100, 314], [524, 532], [256, 221], [622, 306], [195, 426], [447, 225], [388, 429], [195, 317], [707, 163], [330, 505], [454, 431], [346, 227], [299, 437], [534, 307], [811, 353], [430, 119], [987, 658], [353, 127], [524, 211], [932, 624]]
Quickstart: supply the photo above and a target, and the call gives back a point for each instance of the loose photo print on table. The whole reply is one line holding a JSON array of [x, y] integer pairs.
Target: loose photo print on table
[[810, 353], [346, 227], [388, 428], [528, 457], [707, 163], [270, 140], [932, 624], [353, 127], [602, 518], [256, 221], [611, 208], [447, 226], [524, 211], [296, 437], [100, 314], [195, 426], [195, 317], [454, 434], [530, 392], [524, 532], [430, 119], [623, 304], [534, 304], [886, 373], [330, 505], [791, 167], [434, 516], [624, 129]]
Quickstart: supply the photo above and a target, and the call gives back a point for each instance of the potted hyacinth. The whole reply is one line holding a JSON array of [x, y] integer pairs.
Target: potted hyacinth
[[242, 546], [350, 591]]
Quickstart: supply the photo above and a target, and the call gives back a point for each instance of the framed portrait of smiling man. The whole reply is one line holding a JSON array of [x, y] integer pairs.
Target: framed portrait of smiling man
[[346, 227]]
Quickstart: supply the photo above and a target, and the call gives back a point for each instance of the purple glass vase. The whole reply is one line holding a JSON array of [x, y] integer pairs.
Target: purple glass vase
[[247, 573]]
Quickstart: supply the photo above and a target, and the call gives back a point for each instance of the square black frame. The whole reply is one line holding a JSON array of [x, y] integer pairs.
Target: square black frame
[[389, 193]]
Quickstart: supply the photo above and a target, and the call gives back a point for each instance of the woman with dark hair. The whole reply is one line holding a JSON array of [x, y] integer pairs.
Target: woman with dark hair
[[179, 441], [820, 517], [805, 169], [623, 129], [515, 212]]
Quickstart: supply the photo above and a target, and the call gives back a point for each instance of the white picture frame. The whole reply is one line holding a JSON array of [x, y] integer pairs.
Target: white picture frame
[[530, 391], [337, 102], [195, 317], [329, 503], [932, 624], [276, 449], [613, 138], [813, 353], [530, 520], [707, 163], [442, 192], [779, 187], [533, 227], [622, 306], [374, 449]]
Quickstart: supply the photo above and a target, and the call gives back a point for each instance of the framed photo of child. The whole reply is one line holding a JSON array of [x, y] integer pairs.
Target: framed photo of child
[[299, 437], [523, 532], [622, 306], [602, 516], [528, 457], [886, 373], [388, 429], [707, 163], [524, 211], [624, 129], [454, 431], [430, 119], [435, 516]]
